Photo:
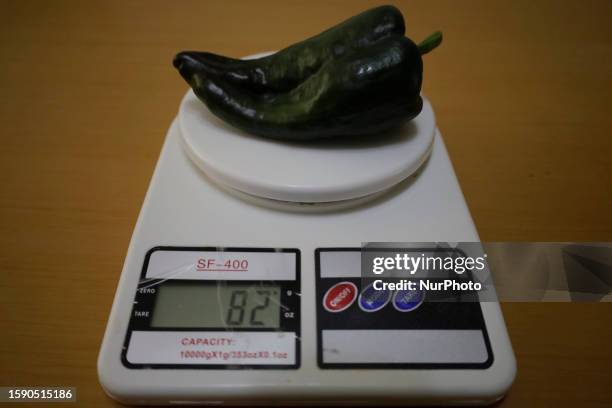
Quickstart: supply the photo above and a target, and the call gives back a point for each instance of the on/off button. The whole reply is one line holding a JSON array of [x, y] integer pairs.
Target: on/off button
[[340, 297]]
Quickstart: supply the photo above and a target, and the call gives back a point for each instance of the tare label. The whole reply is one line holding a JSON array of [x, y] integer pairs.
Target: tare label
[[222, 265], [218, 348]]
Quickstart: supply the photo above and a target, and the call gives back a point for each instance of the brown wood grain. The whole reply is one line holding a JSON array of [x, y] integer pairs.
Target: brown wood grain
[[521, 91]]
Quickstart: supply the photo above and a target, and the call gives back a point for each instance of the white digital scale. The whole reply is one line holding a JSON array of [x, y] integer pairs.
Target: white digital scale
[[242, 283]]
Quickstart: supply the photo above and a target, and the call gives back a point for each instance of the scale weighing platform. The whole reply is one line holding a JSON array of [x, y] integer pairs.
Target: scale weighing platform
[[242, 283]]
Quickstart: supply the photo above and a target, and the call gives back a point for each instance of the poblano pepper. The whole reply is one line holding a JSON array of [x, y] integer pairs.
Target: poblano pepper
[[367, 90]]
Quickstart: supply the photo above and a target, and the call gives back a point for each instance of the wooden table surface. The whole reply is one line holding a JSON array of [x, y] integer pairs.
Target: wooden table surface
[[522, 94]]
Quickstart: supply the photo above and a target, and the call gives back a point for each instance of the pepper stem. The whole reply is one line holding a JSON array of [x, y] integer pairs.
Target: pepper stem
[[430, 42]]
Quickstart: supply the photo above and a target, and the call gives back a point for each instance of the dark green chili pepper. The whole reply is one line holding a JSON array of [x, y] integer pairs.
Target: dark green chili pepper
[[367, 91], [289, 67]]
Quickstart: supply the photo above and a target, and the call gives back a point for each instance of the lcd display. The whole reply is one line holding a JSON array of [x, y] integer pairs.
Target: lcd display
[[192, 305]]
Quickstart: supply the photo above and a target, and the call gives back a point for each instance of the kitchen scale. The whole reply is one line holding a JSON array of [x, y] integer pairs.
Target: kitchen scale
[[242, 283]]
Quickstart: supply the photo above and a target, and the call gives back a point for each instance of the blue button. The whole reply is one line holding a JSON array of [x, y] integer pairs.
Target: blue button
[[372, 300], [408, 300]]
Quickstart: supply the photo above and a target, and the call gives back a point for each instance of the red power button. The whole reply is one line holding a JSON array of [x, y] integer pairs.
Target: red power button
[[339, 297]]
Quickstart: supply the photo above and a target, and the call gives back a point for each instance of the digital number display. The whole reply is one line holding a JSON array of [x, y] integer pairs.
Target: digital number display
[[192, 305]]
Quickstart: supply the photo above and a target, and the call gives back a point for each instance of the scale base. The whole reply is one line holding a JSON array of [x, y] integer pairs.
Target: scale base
[[183, 207]]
